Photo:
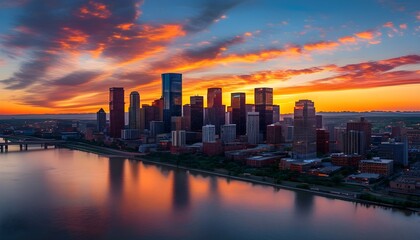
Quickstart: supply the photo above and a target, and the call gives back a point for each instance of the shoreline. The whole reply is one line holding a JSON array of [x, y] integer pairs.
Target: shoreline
[[137, 157]]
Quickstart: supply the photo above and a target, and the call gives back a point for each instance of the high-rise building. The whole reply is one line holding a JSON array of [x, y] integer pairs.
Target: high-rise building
[[134, 111], [252, 127], [116, 111], [172, 97], [209, 133], [186, 115], [158, 105], [156, 128], [178, 138], [215, 109], [238, 106], [304, 137], [276, 113], [318, 121], [264, 105], [274, 134], [228, 133], [364, 128], [322, 141], [101, 120], [197, 115], [397, 151]]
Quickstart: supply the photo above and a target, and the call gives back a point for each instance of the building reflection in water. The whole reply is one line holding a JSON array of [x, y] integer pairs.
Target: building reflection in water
[[116, 176], [181, 190], [304, 203]]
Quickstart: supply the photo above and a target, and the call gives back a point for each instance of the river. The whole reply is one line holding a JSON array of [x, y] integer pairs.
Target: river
[[67, 194]]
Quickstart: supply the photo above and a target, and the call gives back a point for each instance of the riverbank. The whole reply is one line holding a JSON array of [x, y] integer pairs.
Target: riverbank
[[335, 193]]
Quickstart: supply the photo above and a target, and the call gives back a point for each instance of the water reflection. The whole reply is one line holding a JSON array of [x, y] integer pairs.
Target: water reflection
[[181, 190], [63, 194], [304, 203]]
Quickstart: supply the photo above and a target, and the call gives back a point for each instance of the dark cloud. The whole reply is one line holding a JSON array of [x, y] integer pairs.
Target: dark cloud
[[48, 30], [196, 55], [211, 11], [31, 71], [76, 78]]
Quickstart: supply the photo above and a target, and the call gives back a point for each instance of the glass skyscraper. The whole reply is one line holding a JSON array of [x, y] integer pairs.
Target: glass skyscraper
[[264, 105], [237, 102], [134, 111], [116, 111], [304, 138], [172, 97]]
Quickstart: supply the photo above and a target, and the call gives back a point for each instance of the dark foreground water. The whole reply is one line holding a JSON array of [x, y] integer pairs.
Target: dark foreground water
[[64, 194]]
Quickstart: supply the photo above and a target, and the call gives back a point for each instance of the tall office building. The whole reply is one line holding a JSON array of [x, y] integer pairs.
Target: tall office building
[[228, 133], [319, 124], [215, 109], [101, 120], [197, 115], [158, 105], [274, 134], [116, 111], [276, 113], [172, 97], [238, 106], [364, 128], [134, 111], [186, 115], [209, 133], [264, 105], [252, 127], [397, 151], [304, 137]]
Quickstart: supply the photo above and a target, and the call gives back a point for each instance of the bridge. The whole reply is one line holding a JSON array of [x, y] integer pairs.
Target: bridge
[[24, 141]]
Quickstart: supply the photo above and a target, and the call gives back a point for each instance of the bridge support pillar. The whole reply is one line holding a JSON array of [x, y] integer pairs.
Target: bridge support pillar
[[21, 147], [26, 147], [6, 148], [45, 146], [1, 148]]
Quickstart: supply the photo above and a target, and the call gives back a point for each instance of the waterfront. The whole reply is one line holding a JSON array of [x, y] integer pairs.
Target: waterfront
[[66, 194]]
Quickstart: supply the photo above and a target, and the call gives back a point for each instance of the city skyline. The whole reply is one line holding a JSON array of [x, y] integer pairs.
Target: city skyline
[[65, 63]]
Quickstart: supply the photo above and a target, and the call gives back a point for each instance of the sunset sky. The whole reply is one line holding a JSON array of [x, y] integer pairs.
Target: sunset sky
[[62, 56]]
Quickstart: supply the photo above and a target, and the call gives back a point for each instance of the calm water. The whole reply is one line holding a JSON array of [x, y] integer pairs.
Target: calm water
[[64, 194]]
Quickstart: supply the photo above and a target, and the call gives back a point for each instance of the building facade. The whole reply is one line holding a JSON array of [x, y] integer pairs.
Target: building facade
[[134, 111], [304, 136], [101, 120], [172, 98], [263, 98], [253, 127], [237, 103], [116, 111], [196, 113]]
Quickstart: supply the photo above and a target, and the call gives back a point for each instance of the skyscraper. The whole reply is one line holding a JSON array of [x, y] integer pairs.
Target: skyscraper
[[364, 129], [276, 113], [216, 111], [304, 138], [238, 112], [228, 133], [101, 120], [252, 127], [196, 113], [116, 111], [172, 97], [134, 111], [264, 105], [209, 132]]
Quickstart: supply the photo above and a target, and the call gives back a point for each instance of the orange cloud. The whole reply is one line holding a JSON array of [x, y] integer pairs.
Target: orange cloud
[[161, 33], [403, 26], [321, 46], [94, 9], [347, 39]]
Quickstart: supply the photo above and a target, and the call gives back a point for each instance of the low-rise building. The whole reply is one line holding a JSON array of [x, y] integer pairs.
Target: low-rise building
[[362, 178], [383, 167], [346, 160], [261, 161]]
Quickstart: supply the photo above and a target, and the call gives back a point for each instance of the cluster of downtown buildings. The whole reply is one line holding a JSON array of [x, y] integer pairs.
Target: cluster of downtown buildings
[[243, 129]]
